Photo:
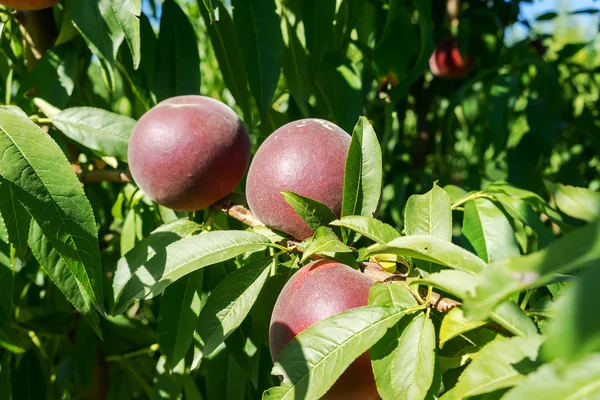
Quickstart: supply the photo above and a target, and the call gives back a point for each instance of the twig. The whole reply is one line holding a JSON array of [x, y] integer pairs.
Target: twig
[[238, 212], [101, 175]]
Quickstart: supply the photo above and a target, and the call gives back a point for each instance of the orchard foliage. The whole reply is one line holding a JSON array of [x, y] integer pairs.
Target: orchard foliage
[[484, 252]]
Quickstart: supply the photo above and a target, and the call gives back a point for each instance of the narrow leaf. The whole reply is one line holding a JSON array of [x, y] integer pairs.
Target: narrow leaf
[[62, 276], [489, 231], [369, 227], [99, 130], [178, 316], [228, 51], [363, 174], [577, 202], [29, 379], [313, 212], [16, 218], [48, 188], [454, 324], [318, 17], [295, 69], [183, 257], [229, 304], [259, 34], [178, 59], [127, 13]]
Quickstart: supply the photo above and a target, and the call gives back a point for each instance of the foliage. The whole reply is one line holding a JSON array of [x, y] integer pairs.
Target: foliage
[[480, 194]]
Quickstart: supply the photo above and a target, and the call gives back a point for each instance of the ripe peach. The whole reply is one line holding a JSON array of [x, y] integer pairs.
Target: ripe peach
[[446, 61], [28, 4], [319, 290], [188, 152], [306, 157]]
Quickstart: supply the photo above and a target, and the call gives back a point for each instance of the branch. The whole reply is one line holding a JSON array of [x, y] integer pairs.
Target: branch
[[238, 212], [101, 175]]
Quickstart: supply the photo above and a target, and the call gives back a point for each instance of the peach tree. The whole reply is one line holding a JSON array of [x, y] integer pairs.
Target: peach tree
[[297, 199]]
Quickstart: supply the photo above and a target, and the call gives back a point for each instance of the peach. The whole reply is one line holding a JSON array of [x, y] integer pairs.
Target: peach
[[446, 62], [28, 4]]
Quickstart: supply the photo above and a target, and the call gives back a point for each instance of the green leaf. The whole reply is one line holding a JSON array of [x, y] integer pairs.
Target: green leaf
[[455, 323], [93, 27], [559, 381], [181, 258], [53, 77], [259, 34], [127, 13], [229, 304], [151, 246], [29, 379], [5, 375], [62, 276], [313, 212], [386, 56], [493, 367], [178, 59], [13, 341], [6, 281], [369, 227], [318, 17], [404, 359], [429, 214], [575, 250], [295, 70], [178, 315], [455, 193], [48, 188], [521, 211], [363, 174], [312, 362], [430, 248], [575, 329], [84, 358], [16, 218], [324, 241], [99, 130], [577, 202], [228, 51], [489, 231], [461, 285]]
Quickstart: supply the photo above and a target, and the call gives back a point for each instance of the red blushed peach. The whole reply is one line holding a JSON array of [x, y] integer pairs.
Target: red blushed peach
[[446, 62], [28, 4], [188, 152], [317, 291], [307, 157]]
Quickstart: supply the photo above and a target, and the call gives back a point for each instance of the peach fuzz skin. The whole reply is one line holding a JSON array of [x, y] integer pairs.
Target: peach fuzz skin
[[188, 152]]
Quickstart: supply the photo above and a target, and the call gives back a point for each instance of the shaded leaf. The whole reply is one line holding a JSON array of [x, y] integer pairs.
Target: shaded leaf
[[318, 17], [127, 13], [259, 34], [178, 315], [99, 130], [295, 69], [28, 379], [455, 324], [62, 276], [313, 212], [178, 60], [229, 304], [16, 218]]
